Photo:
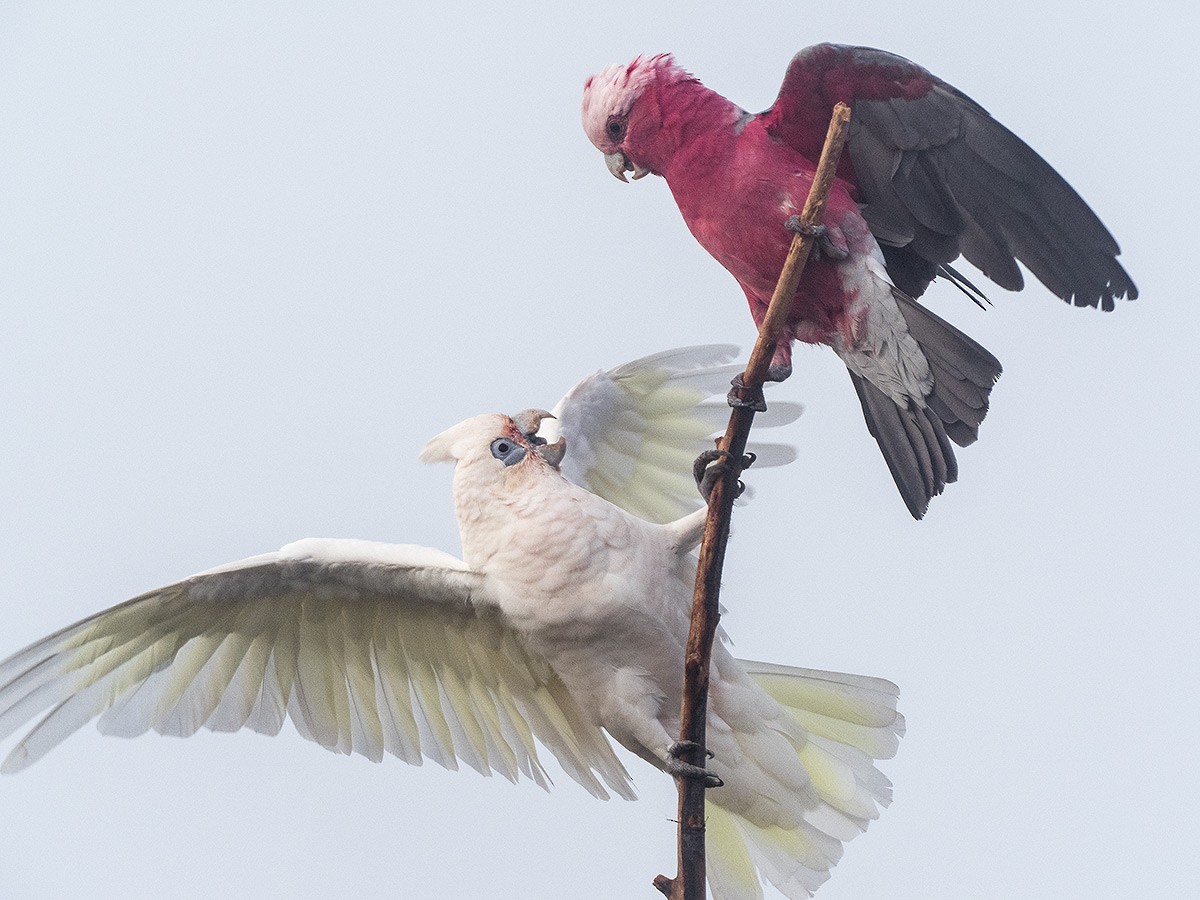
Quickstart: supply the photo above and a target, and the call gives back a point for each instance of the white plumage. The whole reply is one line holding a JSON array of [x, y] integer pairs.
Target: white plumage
[[564, 621], [633, 431]]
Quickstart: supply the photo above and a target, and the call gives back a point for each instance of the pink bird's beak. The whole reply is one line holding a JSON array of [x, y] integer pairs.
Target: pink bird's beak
[[618, 163]]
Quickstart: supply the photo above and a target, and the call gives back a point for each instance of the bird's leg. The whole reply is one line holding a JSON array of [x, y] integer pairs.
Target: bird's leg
[[828, 242], [711, 465], [779, 371], [680, 769]]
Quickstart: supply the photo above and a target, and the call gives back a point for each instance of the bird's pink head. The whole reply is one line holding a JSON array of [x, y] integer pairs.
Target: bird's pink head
[[622, 128]]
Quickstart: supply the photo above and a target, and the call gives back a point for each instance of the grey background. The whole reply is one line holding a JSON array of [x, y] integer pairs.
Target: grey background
[[254, 255]]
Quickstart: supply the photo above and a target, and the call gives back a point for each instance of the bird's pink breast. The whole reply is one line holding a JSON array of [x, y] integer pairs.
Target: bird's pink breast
[[735, 196]]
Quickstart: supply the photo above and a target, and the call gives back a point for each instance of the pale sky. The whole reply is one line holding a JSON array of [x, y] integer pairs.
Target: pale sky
[[255, 254]]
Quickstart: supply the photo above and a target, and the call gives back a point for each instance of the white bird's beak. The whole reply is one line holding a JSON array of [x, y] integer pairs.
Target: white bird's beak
[[618, 163], [530, 420], [553, 453]]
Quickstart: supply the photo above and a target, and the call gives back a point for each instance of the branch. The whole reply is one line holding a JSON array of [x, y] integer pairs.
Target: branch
[[689, 883]]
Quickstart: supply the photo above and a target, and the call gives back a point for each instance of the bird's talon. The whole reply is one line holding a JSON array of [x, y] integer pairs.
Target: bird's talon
[[823, 242], [680, 769], [679, 748], [707, 470], [742, 396], [700, 467], [796, 225]]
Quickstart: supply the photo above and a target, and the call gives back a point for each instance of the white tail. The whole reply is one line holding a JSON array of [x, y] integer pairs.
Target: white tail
[[837, 725]]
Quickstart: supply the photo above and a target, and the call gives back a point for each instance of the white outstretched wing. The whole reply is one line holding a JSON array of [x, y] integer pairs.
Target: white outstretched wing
[[633, 432], [367, 647]]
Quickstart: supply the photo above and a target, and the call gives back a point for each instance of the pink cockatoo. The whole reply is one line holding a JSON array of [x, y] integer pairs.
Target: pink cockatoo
[[928, 175], [563, 625]]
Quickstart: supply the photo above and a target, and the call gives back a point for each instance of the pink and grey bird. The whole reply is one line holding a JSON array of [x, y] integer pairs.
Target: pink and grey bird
[[929, 175]]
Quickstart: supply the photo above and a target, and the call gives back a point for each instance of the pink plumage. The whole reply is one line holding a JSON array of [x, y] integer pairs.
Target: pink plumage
[[928, 175]]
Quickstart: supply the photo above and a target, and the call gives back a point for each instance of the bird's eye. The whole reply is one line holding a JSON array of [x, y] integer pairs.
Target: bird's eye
[[508, 451], [615, 128]]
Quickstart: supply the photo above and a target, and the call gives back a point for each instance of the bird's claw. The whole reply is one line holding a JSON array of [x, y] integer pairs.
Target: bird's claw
[[710, 467], [679, 748], [742, 396], [823, 242], [796, 225], [777, 372], [680, 769]]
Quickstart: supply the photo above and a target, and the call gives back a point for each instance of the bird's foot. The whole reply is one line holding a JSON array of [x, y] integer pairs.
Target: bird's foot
[[711, 466], [825, 243], [679, 748], [680, 769], [779, 371], [742, 396]]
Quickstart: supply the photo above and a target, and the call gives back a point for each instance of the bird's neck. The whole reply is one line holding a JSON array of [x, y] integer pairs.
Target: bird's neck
[[695, 128], [500, 521]]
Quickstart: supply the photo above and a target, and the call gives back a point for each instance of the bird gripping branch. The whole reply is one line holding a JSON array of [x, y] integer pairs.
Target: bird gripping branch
[[689, 883]]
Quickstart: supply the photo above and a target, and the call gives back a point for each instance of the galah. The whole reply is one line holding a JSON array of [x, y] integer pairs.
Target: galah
[[563, 624], [928, 175]]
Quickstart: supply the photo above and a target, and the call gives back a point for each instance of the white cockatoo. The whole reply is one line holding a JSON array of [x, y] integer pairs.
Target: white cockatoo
[[564, 621]]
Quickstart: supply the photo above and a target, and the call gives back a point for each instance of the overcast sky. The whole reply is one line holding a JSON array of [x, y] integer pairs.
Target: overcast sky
[[254, 255]]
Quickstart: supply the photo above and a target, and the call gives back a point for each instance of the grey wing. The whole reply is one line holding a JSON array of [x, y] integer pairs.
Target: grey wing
[[940, 177], [368, 648]]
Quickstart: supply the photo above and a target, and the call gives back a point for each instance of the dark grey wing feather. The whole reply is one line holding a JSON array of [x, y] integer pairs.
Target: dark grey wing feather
[[938, 176], [965, 183]]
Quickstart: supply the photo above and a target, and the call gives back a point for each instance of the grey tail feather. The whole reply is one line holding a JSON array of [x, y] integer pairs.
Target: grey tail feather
[[915, 441], [914, 444]]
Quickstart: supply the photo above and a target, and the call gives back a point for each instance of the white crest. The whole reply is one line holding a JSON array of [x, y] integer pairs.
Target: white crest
[[614, 91]]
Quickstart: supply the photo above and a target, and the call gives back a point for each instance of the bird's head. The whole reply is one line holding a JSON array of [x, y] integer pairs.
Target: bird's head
[[623, 116], [503, 472], [492, 443]]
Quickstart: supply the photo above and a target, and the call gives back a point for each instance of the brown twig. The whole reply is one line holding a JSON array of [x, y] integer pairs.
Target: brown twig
[[689, 883]]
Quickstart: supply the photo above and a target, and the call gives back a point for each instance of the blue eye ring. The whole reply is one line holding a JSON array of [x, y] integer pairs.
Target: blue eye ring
[[508, 451]]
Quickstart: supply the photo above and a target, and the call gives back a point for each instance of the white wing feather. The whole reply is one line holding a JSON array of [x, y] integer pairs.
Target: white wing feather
[[633, 432], [367, 647]]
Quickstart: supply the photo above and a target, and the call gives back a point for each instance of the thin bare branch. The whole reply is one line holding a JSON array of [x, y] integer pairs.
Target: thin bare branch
[[689, 883]]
